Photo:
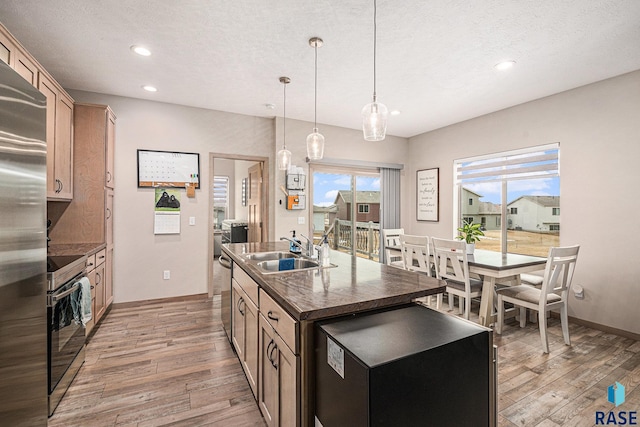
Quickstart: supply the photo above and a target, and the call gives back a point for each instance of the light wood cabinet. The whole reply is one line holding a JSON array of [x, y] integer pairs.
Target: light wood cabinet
[[277, 367], [59, 135], [244, 334], [265, 337], [7, 49], [100, 303], [26, 68]]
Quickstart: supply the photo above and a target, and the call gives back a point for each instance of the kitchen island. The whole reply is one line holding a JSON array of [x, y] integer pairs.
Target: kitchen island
[[274, 315]]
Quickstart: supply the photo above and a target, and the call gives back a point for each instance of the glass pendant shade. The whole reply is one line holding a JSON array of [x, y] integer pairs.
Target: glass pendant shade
[[374, 121], [284, 159], [315, 145]]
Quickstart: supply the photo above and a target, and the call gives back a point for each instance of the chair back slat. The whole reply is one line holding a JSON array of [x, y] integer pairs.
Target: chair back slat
[[451, 260], [558, 272], [415, 253]]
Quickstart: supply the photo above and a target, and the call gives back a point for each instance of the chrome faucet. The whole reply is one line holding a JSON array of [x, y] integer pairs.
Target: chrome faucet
[[309, 251]]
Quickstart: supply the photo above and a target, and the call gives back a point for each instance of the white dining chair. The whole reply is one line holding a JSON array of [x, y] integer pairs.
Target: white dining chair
[[452, 265], [391, 239], [416, 257], [552, 295]]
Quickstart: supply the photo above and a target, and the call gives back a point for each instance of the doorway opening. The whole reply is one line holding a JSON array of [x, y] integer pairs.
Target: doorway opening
[[238, 206]]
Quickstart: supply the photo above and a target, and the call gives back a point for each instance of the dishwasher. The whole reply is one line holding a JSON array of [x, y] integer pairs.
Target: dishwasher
[[225, 265]]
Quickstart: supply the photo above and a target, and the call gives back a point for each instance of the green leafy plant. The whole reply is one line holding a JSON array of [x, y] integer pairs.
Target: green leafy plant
[[470, 232]]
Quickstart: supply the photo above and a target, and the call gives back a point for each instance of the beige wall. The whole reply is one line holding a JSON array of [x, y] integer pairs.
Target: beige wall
[[140, 256], [598, 128]]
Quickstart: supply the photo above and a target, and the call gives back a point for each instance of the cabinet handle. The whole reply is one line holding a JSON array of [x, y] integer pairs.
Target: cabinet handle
[[93, 287], [98, 279], [90, 264], [61, 186], [101, 257], [58, 186], [271, 358], [271, 316], [268, 352], [108, 176], [240, 302], [108, 213]]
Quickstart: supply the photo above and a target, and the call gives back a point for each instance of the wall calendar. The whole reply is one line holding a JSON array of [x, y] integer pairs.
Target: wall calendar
[[168, 169]]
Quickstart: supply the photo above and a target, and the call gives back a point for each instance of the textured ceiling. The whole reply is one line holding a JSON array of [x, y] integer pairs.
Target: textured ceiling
[[435, 57]]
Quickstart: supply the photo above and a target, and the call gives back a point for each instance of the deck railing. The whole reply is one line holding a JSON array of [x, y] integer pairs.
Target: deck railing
[[367, 238]]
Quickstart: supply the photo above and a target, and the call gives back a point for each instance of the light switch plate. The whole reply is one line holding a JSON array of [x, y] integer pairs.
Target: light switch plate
[[300, 220], [192, 220]]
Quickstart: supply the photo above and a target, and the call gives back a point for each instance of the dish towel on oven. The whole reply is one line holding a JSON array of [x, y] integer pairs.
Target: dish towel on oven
[[85, 300]]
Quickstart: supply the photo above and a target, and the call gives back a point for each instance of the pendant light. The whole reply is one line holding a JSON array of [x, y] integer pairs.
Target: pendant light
[[284, 155], [374, 115], [315, 140]]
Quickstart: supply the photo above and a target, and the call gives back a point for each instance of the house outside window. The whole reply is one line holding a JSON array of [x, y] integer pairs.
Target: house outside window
[[363, 208], [470, 202], [506, 187], [220, 200]]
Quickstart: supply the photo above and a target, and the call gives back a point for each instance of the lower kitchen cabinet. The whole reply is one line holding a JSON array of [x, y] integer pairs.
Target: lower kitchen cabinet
[[245, 333], [277, 392], [95, 270]]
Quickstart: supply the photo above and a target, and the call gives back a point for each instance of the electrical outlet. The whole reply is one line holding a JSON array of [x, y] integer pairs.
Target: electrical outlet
[[192, 220], [300, 220], [166, 275]]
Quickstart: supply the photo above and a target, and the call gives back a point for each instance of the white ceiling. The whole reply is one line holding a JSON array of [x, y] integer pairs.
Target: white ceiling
[[435, 57]]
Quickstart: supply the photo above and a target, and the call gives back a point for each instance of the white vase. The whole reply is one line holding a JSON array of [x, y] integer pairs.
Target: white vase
[[470, 248]]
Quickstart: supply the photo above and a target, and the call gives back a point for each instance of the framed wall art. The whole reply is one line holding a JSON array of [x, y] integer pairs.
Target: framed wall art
[[428, 194]]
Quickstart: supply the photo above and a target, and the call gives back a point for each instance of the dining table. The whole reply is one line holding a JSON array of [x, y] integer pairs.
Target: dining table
[[496, 267]]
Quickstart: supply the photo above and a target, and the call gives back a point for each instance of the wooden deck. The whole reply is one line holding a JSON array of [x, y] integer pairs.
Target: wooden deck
[[168, 363]]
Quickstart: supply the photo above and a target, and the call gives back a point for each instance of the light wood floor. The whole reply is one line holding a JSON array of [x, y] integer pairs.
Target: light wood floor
[[168, 363]]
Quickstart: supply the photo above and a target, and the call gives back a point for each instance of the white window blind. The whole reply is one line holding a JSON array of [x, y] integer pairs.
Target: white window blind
[[221, 191], [537, 162]]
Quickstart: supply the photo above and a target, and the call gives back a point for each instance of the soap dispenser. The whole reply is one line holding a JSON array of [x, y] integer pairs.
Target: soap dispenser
[[293, 248]]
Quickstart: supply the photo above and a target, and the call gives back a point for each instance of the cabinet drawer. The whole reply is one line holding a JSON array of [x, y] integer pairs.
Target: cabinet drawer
[[248, 285], [101, 256], [279, 319], [90, 264]]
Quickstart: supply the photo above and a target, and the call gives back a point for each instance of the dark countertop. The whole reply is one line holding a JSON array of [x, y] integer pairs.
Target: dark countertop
[[74, 248], [355, 285]]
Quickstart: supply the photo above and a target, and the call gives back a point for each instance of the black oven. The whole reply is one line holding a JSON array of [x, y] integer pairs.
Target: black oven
[[65, 331]]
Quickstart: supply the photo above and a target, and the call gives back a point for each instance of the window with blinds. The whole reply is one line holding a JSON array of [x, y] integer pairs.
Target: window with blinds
[[220, 199], [515, 195]]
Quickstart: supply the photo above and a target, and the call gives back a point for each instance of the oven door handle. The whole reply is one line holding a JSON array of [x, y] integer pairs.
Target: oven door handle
[[57, 297]]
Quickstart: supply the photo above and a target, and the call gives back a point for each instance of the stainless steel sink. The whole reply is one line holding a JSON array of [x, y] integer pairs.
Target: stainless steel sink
[[273, 266], [268, 256]]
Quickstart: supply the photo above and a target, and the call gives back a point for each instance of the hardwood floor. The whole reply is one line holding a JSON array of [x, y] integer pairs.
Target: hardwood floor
[[168, 363]]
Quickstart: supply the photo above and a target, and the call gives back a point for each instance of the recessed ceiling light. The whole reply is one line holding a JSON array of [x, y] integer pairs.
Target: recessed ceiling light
[[270, 106], [141, 50], [149, 88], [504, 65], [395, 112]]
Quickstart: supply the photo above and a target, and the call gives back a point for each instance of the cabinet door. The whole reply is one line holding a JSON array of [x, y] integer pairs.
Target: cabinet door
[[111, 139], [108, 277], [26, 68], [99, 288], [250, 359], [7, 50], [287, 379], [237, 328], [108, 215], [64, 146], [51, 93], [268, 374]]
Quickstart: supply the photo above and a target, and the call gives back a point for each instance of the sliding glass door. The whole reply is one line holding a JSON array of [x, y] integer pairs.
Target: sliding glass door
[[346, 203]]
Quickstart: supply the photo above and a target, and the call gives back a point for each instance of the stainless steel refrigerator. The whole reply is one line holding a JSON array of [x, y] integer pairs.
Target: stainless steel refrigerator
[[23, 252]]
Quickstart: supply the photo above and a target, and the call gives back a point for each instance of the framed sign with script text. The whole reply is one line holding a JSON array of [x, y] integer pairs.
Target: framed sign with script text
[[427, 194]]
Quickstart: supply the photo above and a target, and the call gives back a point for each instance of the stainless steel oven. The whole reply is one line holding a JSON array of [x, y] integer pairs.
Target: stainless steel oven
[[65, 331]]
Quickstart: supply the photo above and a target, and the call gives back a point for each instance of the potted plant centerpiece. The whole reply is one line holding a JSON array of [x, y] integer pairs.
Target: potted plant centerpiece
[[470, 233]]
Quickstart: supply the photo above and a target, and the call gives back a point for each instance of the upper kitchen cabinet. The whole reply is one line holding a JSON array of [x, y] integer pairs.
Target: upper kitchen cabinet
[[59, 116], [59, 140]]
